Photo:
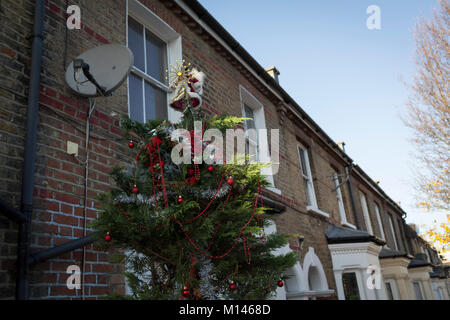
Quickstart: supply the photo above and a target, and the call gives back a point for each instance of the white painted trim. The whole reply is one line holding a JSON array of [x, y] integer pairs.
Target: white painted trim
[[260, 123], [391, 225], [166, 33], [365, 209], [317, 211], [348, 224], [310, 190], [312, 260], [395, 293], [340, 200], [380, 222]]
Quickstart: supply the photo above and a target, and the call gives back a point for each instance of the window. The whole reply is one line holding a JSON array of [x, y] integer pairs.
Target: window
[[391, 226], [251, 140], [380, 224], [417, 291], [365, 210], [340, 200], [256, 140], [147, 88], [389, 293], [155, 45], [350, 284], [307, 176]]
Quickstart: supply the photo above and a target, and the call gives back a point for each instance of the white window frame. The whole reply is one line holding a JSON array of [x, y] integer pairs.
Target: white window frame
[[308, 178], [366, 214], [380, 222], [262, 139], [391, 225], [166, 33], [394, 289], [340, 200], [420, 290]]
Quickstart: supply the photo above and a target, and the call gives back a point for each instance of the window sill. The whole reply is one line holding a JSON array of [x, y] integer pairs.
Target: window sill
[[347, 224], [274, 190], [317, 211]]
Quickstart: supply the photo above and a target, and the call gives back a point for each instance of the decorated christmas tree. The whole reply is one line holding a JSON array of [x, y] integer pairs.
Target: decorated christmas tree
[[195, 229]]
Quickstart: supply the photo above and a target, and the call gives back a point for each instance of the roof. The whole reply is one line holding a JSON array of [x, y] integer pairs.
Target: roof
[[337, 234], [386, 253], [438, 272], [419, 261]]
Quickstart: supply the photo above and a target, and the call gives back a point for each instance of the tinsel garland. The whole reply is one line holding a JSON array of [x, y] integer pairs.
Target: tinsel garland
[[198, 193]]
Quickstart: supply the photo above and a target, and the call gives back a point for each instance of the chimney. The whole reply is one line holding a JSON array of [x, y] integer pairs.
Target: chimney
[[274, 73], [341, 145]]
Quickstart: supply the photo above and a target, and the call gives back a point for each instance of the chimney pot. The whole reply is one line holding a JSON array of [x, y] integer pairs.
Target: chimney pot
[[274, 73]]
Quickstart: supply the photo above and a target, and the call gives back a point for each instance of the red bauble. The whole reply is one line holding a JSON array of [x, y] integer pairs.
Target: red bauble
[[280, 283], [192, 180], [108, 237], [210, 168], [230, 181], [233, 286], [135, 189], [190, 172], [180, 199], [185, 293], [131, 144]]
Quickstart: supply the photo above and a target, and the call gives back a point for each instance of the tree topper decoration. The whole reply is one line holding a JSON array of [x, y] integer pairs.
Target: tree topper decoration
[[187, 83]]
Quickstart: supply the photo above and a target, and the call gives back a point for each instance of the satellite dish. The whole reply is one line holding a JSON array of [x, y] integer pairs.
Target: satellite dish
[[99, 71]]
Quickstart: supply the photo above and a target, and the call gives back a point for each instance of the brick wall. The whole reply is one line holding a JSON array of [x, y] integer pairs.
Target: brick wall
[[59, 192]]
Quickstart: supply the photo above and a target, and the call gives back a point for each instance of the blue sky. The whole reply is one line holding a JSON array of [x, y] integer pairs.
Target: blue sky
[[345, 76]]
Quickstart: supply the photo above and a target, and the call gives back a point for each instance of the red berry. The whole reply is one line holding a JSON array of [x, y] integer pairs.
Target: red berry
[[108, 238], [230, 181], [280, 283], [190, 172], [180, 199], [232, 286], [185, 292], [135, 189], [210, 168], [131, 144]]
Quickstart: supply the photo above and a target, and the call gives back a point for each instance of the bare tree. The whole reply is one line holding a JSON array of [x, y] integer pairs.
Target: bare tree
[[428, 109]]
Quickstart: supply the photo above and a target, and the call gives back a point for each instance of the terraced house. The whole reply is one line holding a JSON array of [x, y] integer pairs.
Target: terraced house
[[354, 241]]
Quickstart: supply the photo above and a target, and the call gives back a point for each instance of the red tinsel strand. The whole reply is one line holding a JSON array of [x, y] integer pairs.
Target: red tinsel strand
[[213, 237], [162, 178], [196, 172], [235, 242], [207, 206]]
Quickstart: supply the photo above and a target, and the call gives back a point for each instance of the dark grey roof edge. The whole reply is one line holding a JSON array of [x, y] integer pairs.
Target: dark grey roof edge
[[389, 253], [337, 234]]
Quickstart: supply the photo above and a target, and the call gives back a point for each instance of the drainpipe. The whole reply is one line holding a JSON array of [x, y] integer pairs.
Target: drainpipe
[[348, 170], [30, 152]]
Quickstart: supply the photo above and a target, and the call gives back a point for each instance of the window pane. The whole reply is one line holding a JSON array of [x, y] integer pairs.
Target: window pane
[[303, 161], [156, 56], [251, 149], [136, 42], [248, 113], [390, 296], [136, 99], [308, 192], [155, 103], [417, 291], [350, 284]]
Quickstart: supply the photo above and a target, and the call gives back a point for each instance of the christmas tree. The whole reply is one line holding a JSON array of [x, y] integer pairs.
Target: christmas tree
[[190, 230]]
